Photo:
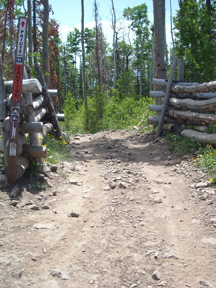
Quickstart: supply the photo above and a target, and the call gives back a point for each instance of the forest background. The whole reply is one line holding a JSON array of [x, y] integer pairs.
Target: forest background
[[102, 86]]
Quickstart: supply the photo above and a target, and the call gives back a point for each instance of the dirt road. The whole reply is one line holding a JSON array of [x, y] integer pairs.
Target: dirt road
[[124, 213]]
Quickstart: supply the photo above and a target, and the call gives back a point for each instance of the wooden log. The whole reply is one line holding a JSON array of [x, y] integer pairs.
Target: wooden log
[[47, 128], [61, 117], [2, 98], [160, 82], [25, 127], [193, 105], [163, 82], [197, 96], [39, 114], [157, 94], [38, 102], [22, 166], [28, 86], [193, 118], [49, 103], [35, 151], [155, 120], [155, 108], [204, 87], [166, 99], [1, 146], [199, 136]]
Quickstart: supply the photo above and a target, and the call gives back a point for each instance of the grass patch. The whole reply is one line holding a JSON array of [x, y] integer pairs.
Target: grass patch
[[203, 155], [57, 150]]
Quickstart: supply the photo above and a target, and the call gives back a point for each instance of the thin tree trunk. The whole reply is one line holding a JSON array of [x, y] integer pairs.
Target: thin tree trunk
[[97, 44], [114, 42], [30, 33], [45, 43], [83, 69]]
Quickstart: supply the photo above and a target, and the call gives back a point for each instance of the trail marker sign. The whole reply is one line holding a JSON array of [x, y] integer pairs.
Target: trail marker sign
[[16, 101]]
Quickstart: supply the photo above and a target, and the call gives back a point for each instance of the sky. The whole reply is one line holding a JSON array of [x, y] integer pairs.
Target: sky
[[68, 14]]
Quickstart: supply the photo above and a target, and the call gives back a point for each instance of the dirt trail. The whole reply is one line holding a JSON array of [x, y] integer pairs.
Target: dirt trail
[[125, 213]]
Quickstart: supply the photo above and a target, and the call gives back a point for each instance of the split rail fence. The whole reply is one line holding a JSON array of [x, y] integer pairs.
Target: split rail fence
[[37, 101], [185, 105]]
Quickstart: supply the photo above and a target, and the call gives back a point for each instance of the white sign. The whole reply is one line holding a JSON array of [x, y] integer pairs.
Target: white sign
[[21, 41]]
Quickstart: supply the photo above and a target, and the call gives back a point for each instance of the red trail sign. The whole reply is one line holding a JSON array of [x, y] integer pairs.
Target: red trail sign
[[16, 101]]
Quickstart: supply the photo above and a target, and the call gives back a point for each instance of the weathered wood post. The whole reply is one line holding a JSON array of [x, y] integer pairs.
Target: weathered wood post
[[166, 99]]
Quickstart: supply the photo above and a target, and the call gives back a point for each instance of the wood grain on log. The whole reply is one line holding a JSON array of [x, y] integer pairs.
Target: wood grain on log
[[28, 86], [192, 117], [199, 136], [189, 104], [204, 87], [35, 151]]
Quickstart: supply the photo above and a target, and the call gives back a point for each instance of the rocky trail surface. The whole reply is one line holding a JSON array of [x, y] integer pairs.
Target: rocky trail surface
[[124, 213]]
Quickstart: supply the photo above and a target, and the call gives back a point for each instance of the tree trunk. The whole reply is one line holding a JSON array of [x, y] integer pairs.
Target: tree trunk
[[45, 43], [30, 33], [97, 44], [83, 69], [159, 30], [114, 43]]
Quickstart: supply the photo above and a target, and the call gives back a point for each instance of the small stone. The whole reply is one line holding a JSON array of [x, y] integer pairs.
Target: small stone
[[74, 182], [54, 193], [1, 243], [201, 185], [112, 185], [122, 185], [156, 275], [17, 273], [204, 283], [203, 197], [56, 273], [53, 168], [14, 203], [74, 215], [45, 207], [158, 201], [163, 284], [34, 207]]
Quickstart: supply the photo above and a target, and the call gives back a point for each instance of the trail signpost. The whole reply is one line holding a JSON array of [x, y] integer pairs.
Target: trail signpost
[[16, 101]]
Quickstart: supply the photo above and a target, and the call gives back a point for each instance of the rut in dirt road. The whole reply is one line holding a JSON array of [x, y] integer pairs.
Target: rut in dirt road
[[146, 219]]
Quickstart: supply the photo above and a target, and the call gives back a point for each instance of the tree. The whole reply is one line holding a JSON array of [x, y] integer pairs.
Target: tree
[[159, 32], [45, 43], [140, 25], [195, 30], [83, 68]]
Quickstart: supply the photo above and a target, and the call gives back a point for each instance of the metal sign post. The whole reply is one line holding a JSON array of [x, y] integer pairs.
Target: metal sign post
[[16, 101]]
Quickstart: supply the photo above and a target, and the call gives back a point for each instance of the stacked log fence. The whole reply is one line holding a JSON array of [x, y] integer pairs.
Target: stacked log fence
[[37, 102], [187, 108]]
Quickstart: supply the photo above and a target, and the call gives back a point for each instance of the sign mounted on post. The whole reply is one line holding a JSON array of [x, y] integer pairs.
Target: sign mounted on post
[[16, 101]]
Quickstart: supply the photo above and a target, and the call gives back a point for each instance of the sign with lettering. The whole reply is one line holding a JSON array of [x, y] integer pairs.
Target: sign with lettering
[[16, 101]]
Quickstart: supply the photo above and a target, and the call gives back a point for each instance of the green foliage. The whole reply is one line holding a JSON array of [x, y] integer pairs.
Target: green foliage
[[57, 150], [180, 145], [125, 86], [196, 44], [204, 155]]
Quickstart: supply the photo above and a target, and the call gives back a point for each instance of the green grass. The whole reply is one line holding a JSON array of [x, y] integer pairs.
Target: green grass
[[203, 155], [57, 150]]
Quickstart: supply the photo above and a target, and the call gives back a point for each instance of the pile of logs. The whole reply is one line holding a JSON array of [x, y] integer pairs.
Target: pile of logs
[[37, 101], [188, 104]]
